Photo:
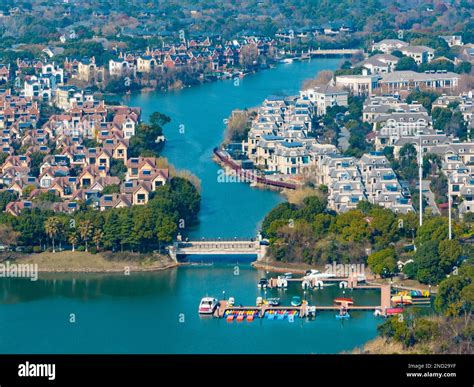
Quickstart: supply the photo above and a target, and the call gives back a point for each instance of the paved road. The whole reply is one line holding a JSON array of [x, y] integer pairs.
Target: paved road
[[430, 197]]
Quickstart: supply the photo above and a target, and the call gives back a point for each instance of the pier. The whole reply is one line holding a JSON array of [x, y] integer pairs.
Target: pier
[[304, 309], [335, 52], [248, 175]]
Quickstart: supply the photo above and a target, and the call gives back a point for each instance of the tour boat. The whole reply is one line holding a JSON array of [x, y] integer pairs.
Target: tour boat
[[342, 300], [404, 300], [208, 305], [296, 301]]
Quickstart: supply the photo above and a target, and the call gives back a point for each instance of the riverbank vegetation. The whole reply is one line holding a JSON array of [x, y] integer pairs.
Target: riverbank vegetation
[[450, 331], [171, 208], [238, 125], [311, 234]]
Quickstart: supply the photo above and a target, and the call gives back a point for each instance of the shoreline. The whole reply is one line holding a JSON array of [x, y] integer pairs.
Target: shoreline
[[150, 89], [82, 262]]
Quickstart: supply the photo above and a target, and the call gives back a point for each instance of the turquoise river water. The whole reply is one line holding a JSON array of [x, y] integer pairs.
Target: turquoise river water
[[157, 312]]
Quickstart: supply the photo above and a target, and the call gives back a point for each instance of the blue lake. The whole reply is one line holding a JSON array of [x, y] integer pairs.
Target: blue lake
[[157, 312]]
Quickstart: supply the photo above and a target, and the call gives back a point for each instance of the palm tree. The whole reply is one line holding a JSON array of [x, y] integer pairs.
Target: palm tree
[[51, 226], [85, 231], [72, 238]]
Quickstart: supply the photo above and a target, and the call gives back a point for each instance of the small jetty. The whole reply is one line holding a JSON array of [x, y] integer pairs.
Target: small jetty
[[223, 310], [385, 307]]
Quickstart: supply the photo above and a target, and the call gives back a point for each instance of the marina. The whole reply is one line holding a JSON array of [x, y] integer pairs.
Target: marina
[[301, 308], [271, 309]]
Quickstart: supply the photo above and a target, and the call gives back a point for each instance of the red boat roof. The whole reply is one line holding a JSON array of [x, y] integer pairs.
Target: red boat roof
[[341, 299]]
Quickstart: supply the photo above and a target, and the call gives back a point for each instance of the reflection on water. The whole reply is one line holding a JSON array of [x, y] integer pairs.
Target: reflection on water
[[86, 286], [157, 313]]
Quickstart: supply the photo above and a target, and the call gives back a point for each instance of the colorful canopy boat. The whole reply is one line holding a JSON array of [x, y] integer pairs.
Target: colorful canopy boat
[[392, 311], [342, 300], [402, 300]]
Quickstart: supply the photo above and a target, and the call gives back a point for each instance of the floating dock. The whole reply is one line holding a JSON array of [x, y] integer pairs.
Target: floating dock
[[304, 310]]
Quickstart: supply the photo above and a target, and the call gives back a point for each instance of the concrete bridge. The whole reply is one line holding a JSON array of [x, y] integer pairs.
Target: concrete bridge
[[323, 52], [218, 247], [340, 51]]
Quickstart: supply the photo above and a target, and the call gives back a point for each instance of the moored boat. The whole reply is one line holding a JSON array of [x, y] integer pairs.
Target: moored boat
[[273, 301], [296, 301], [402, 300], [342, 300], [208, 305], [392, 311]]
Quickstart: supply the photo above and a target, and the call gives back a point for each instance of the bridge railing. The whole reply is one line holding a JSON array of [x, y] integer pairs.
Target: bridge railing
[[217, 240]]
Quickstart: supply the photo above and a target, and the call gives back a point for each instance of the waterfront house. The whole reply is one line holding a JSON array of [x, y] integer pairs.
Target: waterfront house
[[452, 40], [379, 63], [115, 200], [398, 81], [420, 54], [389, 45], [15, 208], [325, 96], [360, 85]]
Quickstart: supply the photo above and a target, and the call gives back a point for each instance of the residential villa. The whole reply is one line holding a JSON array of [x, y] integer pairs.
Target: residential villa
[[361, 85]]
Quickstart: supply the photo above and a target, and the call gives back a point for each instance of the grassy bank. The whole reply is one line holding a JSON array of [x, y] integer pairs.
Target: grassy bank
[[382, 346], [85, 262]]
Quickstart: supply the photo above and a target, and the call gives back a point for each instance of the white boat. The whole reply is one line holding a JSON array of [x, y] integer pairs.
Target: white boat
[[288, 275], [273, 301], [208, 305], [317, 275], [282, 282], [287, 60]]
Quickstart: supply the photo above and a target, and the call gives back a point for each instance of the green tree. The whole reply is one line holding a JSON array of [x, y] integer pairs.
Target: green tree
[[406, 63], [73, 239], [449, 300], [383, 262], [427, 261], [5, 198], [51, 227], [426, 98], [112, 231], [86, 230], [165, 229]]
